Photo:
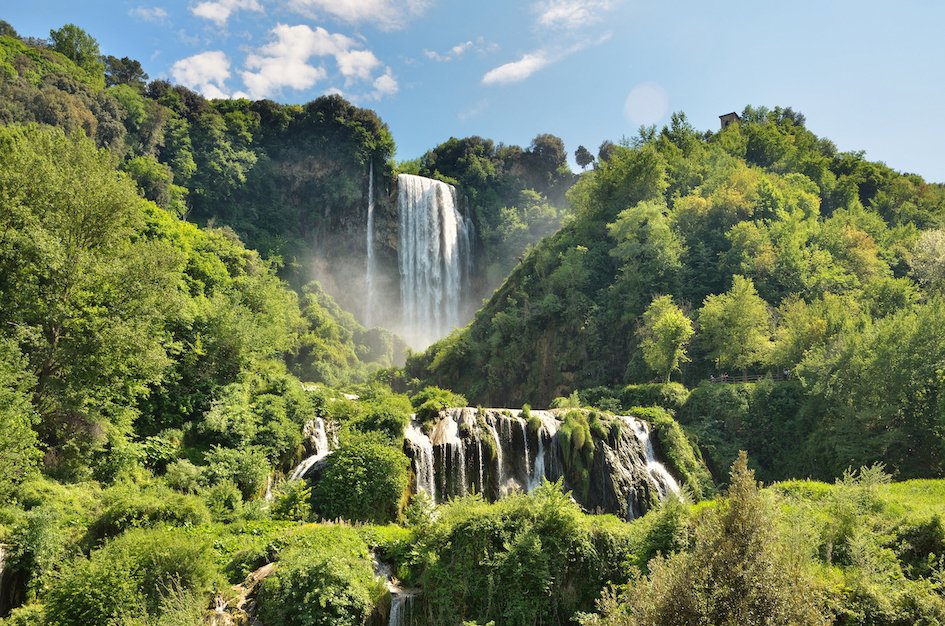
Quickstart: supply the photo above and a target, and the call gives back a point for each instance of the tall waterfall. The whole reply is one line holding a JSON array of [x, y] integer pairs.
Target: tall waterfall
[[369, 296], [496, 452], [434, 255]]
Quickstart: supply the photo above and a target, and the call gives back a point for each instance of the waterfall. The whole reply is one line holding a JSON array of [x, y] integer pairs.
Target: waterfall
[[624, 470], [422, 449], [525, 439], [664, 481], [434, 256], [369, 297], [318, 437], [498, 455]]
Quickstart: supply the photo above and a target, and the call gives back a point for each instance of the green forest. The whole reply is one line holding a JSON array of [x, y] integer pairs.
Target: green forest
[[769, 307]]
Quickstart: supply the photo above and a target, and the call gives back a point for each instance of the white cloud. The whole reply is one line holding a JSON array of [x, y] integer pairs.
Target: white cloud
[[454, 53], [516, 70], [357, 64], [385, 14], [149, 14], [647, 103], [534, 61], [385, 85], [219, 11], [480, 45], [206, 72], [287, 62], [571, 14]]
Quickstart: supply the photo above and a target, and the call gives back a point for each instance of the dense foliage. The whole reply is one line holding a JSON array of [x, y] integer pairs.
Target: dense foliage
[[791, 259]]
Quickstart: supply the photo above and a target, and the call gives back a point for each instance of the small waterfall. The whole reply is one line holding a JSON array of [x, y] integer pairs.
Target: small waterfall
[[422, 449], [369, 297], [664, 481], [525, 439], [318, 436], [482, 479], [434, 257], [490, 423], [401, 609]]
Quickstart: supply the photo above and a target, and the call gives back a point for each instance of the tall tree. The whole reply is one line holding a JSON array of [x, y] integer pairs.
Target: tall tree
[[79, 46], [124, 71], [665, 333], [583, 157], [736, 326]]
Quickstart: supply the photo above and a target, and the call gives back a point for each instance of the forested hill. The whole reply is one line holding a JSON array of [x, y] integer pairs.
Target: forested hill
[[757, 250]]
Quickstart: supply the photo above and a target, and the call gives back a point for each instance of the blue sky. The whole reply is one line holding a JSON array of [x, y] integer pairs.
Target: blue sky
[[870, 75]]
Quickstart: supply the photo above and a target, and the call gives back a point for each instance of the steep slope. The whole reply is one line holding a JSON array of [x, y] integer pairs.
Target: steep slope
[[784, 253]]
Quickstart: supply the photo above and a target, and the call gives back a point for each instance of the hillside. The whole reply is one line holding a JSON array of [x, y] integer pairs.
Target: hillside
[[193, 432], [781, 256]]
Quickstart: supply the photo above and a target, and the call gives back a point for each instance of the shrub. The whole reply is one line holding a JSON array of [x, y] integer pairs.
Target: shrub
[[131, 578], [224, 501], [670, 396], [431, 400], [324, 578], [292, 501], [184, 476], [365, 480], [247, 468], [133, 506]]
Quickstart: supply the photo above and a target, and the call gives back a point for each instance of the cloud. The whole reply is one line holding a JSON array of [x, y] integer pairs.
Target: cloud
[[357, 64], [532, 62], [385, 85], [149, 14], [646, 104], [288, 62], [571, 14], [219, 11], [205, 72], [516, 70], [480, 45], [385, 14]]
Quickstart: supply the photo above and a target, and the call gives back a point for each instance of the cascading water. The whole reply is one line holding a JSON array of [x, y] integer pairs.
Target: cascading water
[[318, 436], [434, 255], [451, 461], [422, 456], [369, 296], [664, 481]]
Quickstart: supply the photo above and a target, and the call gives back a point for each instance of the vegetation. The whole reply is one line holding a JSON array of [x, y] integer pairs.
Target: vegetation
[[159, 381]]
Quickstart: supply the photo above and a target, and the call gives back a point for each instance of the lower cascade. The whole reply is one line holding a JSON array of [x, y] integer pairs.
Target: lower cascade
[[317, 434], [496, 452]]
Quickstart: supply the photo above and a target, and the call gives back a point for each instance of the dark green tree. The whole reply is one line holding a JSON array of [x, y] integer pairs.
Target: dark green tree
[[583, 157]]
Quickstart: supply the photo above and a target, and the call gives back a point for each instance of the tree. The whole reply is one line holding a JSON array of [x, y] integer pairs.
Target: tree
[[606, 150], [928, 260], [736, 326], [79, 46], [124, 71], [665, 333], [738, 571], [583, 157]]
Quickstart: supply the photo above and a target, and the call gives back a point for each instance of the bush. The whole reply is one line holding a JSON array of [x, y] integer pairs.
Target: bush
[[130, 579], [292, 501], [224, 501], [431, 400], [184, 476], [364, 480], [670, 396], [135, 506], [324, 578], [527, 559], [248, 468]]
